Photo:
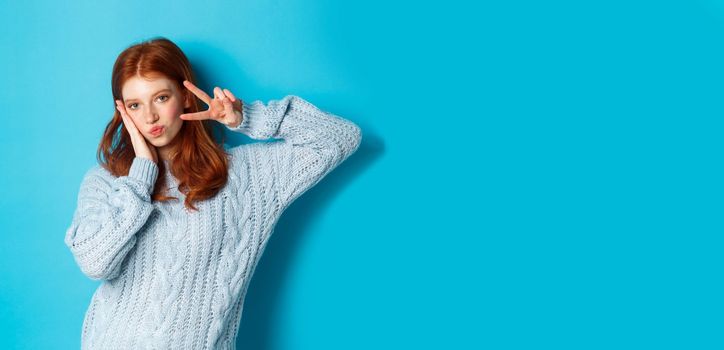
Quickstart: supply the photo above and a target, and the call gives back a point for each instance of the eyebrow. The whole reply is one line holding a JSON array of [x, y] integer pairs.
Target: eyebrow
[[154, 94]]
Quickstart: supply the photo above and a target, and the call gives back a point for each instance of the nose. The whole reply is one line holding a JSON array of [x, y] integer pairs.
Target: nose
[[150, 115]]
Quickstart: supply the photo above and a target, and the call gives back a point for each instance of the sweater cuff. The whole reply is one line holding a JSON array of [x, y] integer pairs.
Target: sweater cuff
[[256, 122], [246, 110], [144, 170]]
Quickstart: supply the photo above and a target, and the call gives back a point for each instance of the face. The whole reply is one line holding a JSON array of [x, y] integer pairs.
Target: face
[[155, 102]]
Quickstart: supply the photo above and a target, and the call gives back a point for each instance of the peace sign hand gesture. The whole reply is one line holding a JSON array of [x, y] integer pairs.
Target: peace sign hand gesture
[[225, 108]]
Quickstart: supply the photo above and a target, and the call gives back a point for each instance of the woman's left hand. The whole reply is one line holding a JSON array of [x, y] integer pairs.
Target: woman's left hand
[[225, 108]]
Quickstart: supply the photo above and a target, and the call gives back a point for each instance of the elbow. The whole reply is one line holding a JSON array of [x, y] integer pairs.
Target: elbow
[[94, 266], [96, 271], [354, 137], [94, 274], [347, 141], [347, 144]]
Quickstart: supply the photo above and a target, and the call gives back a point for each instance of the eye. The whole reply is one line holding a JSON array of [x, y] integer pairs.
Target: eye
[[129, 106], [166, 96]]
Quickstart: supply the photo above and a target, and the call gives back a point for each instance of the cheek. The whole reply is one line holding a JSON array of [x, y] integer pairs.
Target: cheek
[[175, 111], [137, 117], [173, 117], [177, 108], [172, 112]]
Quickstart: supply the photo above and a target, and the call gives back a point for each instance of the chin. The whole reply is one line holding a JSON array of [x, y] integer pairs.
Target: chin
[[156, 141]]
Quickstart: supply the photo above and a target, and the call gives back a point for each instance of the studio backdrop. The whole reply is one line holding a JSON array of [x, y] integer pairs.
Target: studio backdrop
[[531, 175]]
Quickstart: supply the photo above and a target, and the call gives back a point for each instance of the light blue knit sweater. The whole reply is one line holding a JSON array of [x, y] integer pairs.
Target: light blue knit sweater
[[176, 279]]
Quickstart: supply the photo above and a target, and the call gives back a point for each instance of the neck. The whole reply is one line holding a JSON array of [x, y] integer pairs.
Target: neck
[[164, 153]]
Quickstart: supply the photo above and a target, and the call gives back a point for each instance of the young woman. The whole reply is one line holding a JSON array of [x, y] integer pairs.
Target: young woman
[[171, 223]]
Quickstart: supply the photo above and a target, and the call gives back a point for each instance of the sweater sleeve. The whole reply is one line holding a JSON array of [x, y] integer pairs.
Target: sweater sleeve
[[313, 142], [110, 210]]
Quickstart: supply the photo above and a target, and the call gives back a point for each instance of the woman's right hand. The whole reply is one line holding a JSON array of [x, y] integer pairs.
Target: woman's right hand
[[140, 146]]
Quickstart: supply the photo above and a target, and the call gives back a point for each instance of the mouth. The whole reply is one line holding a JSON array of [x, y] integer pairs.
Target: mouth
[[157, 131]]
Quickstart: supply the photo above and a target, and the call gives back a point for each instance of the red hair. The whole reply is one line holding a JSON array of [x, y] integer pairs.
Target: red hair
[[198, 161]]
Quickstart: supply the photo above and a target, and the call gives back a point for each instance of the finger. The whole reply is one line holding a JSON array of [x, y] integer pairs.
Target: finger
[[123, 108], [218, 94], [230, 95], [198, 92], [126, 119], [231, 115], [234, 100], [120, 107], [228, 108], [196, 116], [129, 126]]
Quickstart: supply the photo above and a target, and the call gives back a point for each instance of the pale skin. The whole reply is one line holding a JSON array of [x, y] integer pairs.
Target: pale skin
[[157, 102]]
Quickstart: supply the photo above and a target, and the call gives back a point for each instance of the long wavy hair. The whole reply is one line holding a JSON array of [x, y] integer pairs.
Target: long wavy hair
[[197, 160]]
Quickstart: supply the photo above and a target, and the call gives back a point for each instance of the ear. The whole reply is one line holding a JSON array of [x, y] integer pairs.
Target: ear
[[187, 100]]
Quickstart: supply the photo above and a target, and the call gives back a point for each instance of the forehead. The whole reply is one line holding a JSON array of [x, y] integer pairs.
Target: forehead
[[139, 87]]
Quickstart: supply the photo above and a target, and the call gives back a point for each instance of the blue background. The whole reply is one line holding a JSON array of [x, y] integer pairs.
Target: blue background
[[533, 175]]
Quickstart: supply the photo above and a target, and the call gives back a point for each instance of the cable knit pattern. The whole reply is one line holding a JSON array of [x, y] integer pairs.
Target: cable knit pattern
[[172, 278]]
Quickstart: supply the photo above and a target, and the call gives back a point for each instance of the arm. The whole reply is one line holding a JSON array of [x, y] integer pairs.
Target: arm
[[110, 210], [313, 141]]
